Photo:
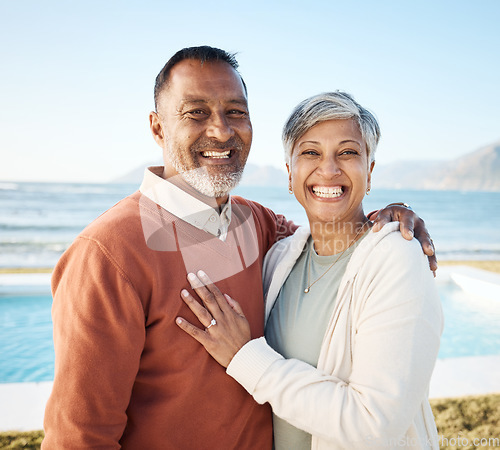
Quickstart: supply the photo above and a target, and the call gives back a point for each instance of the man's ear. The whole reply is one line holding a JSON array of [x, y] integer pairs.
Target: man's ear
[[156, 127]]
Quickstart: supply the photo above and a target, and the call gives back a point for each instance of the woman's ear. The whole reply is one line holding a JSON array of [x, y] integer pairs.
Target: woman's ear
[[290, 190], [369, 180]]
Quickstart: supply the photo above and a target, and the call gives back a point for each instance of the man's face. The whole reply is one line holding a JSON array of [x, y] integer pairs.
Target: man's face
[[203, 126]]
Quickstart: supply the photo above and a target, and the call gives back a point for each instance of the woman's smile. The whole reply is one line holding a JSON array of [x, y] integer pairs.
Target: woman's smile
[[327, 192]]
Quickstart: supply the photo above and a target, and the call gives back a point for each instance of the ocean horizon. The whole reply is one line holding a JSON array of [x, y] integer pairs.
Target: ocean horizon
[[38, 221]]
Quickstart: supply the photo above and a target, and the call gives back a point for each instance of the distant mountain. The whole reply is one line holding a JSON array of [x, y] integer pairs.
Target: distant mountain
[[476, 171], [255, 175], [136, 175], [252, 176]]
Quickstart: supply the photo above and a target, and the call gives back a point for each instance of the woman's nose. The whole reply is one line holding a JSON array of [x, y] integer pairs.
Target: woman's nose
[[329, 167]]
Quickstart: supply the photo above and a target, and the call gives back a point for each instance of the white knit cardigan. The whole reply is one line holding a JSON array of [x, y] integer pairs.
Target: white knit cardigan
[[370, 387]]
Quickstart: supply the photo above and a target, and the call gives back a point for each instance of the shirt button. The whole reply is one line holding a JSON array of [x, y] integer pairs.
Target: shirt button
[[213, 218]]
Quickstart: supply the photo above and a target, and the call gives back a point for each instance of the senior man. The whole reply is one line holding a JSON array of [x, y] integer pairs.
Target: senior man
[[125, 374]]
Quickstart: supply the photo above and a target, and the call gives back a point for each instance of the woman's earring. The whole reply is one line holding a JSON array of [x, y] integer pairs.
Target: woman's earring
[[290, 190], [368, 191]]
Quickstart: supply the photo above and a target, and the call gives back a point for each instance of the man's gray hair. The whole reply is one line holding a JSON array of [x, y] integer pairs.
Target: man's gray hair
[[329, 106], [203, 54]]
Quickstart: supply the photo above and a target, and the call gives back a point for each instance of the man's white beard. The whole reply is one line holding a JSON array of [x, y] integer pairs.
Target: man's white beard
[[217, 185]]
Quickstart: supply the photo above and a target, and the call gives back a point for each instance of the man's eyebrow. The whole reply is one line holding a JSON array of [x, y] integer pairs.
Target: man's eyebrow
[[187, 100], [195, 100], [239, 101]]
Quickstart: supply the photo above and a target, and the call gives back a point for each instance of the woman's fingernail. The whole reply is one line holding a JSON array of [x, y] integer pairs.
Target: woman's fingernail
[[184, 293], [202, 274], [194, 281]]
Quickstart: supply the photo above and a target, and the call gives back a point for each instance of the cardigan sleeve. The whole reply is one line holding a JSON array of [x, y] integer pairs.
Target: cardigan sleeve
[[99, 334], [396, 325]]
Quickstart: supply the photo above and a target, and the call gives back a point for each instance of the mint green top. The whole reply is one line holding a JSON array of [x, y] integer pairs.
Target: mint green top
[[298, 322]]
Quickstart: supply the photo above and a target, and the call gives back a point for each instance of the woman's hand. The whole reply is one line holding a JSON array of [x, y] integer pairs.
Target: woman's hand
[[226, 327], [410, 225]]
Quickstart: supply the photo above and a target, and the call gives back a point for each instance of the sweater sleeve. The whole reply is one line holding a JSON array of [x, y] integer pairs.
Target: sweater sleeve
[[395, 340], [273, 227], [99, 335]]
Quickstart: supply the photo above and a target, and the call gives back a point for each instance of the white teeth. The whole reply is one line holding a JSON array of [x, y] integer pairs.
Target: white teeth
[[219, 155], [327, 192]]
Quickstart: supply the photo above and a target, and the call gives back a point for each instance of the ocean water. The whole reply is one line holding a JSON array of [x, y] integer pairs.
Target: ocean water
[[39, 220]]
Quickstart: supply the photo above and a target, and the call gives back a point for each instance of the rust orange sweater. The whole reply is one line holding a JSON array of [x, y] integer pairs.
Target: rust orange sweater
[[125, 374]]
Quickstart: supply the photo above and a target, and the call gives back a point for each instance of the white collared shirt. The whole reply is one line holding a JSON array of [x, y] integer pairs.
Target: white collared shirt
[[183, 205]]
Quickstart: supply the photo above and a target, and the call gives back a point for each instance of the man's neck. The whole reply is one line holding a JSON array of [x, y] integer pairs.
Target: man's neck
[[178, 180]]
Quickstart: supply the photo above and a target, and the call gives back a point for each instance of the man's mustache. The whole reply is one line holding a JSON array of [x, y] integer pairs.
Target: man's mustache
[[203, 143]]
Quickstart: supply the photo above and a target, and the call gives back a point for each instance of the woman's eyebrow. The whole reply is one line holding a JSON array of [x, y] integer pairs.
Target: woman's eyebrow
[[341, 142], [349, 140], [309, 142]]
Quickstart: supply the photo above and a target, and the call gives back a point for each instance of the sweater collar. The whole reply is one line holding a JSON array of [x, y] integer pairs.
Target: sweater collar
[[185, 206]]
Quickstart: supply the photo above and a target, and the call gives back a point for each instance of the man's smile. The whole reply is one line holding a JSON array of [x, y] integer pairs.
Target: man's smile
[[217, 155]]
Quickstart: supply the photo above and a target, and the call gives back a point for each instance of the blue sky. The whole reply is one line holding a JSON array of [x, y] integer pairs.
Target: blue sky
[[77, 77]]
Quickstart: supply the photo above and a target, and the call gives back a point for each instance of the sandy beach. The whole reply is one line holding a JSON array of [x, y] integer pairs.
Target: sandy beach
[[22, 404]]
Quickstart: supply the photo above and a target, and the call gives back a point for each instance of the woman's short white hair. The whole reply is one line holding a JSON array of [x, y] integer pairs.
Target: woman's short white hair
[[329, 106]]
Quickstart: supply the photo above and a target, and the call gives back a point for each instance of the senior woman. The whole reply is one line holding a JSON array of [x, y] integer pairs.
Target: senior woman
[[353, 318]]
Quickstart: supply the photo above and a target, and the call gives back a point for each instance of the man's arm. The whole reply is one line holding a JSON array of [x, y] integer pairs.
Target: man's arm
[[411, 225], [99, 335]]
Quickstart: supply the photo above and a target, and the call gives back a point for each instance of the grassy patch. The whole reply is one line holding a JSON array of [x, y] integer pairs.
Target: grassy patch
[[26, 270], [468, 422], [459, 421], [492, 266], [25, 439]]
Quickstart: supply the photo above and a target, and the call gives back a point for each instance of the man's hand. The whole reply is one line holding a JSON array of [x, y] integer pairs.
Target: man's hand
[[410, 226]]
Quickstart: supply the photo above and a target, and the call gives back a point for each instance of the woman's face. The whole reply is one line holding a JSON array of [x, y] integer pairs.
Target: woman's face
[[329, 171]]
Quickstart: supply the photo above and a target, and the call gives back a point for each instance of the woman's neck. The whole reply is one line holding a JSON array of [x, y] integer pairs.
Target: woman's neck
[[331, 238]]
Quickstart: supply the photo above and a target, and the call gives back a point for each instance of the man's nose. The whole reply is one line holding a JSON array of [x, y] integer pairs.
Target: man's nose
[[219, 128]]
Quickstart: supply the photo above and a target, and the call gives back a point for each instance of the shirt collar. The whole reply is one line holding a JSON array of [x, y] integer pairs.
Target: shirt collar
[[184, 205]]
